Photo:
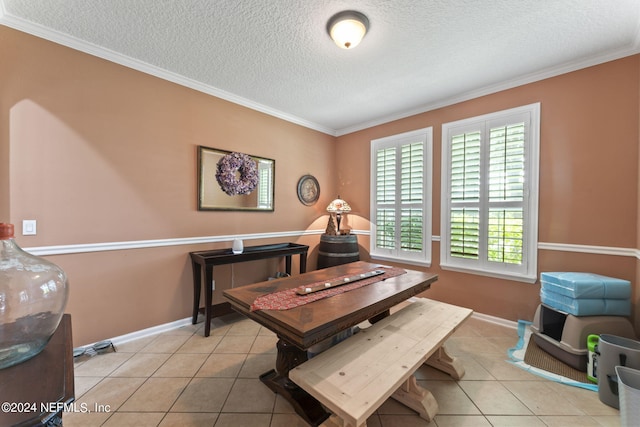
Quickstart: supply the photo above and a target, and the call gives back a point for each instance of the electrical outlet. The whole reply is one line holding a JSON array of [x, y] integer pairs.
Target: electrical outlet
[[29, 227]]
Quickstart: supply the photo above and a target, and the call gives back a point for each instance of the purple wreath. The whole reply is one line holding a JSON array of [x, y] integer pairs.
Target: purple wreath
[[237, 174]]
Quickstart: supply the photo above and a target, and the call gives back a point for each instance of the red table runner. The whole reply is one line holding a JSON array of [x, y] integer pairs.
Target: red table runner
[[288, 298]]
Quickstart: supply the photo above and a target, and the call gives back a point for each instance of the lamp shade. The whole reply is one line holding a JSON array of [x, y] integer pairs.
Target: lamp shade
[[338, 206], [347, 28]]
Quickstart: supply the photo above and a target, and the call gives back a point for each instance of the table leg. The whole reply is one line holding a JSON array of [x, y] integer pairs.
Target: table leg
[[208, 296], [289, 356], [287, 264], [379, 317], [303, 263], [197, 280]]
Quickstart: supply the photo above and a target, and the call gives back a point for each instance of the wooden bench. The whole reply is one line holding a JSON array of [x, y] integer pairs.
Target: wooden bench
[[353, 378]]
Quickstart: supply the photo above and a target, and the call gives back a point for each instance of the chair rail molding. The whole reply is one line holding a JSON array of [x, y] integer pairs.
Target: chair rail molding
[[155, 243]]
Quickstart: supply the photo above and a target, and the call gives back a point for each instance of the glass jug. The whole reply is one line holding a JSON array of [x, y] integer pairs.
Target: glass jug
[[33, 295]]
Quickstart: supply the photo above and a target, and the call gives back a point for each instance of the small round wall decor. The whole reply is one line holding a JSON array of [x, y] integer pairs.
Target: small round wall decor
[[308, 190], [237, 173]]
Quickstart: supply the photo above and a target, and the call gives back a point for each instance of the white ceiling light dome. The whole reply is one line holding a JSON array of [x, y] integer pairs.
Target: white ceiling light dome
[[347, 28]]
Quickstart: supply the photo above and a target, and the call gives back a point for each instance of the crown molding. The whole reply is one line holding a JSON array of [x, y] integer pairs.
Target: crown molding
[[37, 30], [40, 31], [633, 49]]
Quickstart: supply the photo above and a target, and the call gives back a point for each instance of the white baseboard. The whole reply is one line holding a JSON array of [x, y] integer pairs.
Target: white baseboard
[[487, 318], [166, 327], [154, 330], [497, 320], [148, 332]]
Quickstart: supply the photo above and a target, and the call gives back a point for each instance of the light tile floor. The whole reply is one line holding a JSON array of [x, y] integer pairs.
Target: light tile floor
[[180, 378]]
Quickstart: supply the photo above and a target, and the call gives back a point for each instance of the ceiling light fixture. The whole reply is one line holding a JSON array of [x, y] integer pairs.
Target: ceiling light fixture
[[347, 28]]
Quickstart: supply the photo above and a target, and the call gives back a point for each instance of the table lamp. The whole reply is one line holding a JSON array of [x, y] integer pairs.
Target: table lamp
[[338, 207]]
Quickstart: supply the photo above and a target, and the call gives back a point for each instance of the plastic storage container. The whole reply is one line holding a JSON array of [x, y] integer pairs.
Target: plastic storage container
[[33, 295], [586, 285], [586, 307], [592, 361], [564, 336], [586, 294], [614, 351], [629, 390]]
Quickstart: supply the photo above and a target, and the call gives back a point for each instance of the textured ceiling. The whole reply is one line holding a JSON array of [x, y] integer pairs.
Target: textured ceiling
[[275, 56]]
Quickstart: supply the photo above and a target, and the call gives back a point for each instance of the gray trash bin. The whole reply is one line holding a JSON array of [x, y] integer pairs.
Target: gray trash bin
[[629, 391], [614, 351]]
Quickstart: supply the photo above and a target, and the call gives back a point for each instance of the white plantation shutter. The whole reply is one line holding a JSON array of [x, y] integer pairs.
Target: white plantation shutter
[[465, 231], [465, 194], [401, 197], [490, 194], [506, 193], [412, 196], [385, 195]]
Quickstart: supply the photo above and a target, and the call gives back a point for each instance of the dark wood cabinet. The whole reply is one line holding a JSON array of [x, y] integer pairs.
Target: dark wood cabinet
[[36, 392]]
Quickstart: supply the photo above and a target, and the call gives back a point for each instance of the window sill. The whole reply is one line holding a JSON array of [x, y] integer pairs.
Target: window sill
[[499, 275], [409, 261]]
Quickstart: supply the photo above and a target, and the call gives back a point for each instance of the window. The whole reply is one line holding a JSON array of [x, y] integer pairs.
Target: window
[[490, 194], [265, 184], [401, 197]]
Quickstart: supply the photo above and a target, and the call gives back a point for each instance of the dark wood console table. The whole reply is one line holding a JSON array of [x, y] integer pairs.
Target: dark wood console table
[[207, 259], [41, 387]]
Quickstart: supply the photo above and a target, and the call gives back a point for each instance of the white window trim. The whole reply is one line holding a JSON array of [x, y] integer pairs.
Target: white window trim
[[423, 258], [528, 273]]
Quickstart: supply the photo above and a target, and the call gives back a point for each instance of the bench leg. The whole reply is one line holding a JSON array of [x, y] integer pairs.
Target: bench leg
[[417, 398], [335, 421], [443, 361]]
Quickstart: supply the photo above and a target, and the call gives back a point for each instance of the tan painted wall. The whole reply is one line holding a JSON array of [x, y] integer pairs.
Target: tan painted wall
[[588, 179], [97, 152], [102, 153]]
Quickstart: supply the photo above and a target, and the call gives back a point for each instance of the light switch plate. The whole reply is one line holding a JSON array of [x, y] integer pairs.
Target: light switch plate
[[29, 227]]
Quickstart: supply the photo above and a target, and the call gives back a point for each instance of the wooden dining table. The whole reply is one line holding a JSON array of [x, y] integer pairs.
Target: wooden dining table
[[301, 327]]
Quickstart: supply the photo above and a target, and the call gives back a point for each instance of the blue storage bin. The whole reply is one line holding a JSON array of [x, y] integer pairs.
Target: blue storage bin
[[586, 306], [586, 294], [585, 285]]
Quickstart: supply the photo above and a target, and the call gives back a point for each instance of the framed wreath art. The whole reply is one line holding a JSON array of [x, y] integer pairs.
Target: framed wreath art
[[237, 173], [234, 181]]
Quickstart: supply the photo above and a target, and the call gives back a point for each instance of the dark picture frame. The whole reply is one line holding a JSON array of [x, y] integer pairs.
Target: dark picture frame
[[211, 197], [308, 190]]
